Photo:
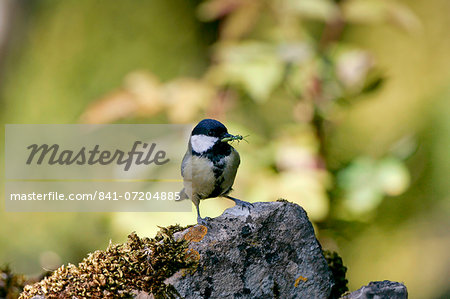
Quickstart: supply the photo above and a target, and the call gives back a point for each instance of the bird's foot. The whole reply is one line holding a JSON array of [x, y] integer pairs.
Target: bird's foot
[[243, 204], [203, 221]]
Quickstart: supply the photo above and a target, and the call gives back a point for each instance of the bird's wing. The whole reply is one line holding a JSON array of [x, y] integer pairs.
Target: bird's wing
[[229, 173], [186, 158]]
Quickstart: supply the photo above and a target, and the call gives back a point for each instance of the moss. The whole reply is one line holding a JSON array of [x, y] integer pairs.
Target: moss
[[339, 270], [276, 290], [139, 264], [283, 200], [10, 284]]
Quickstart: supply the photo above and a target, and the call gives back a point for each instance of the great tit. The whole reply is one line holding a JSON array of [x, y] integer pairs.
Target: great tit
[[210, 165]]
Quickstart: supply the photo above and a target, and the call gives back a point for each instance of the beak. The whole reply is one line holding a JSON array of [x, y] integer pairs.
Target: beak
[[228, 137]]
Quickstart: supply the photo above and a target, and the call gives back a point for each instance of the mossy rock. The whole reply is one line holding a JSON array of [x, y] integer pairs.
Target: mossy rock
[[140, 264]]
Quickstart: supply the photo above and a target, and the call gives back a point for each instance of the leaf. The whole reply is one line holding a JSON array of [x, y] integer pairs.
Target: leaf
[[352, 68], [184, 98], [307, 188], [404, 147], [367, 11], [239, 16], [366, 181], [254, 66], [114, 106], [146, 89], [393, 176], [373, 85], [377, 11], [295, 52], [140, 96], [214, 9], [324, 10], [143, 95], [241, 21], [403, 17]]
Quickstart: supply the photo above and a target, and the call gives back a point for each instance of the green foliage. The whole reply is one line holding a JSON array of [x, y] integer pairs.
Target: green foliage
[[366, 181], [336, 102], [62, 56], [10, 284], [287, 74]]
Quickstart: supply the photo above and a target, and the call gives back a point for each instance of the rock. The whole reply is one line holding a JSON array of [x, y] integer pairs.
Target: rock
[[380, 290], [268, 252]]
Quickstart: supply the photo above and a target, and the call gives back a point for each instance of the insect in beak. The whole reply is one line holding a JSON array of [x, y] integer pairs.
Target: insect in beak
[[229, 137]]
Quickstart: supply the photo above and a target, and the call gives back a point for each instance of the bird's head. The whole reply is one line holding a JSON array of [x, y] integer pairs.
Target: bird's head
[[209, 133]]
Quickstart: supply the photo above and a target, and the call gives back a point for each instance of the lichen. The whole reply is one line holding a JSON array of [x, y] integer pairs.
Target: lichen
[[196, 233], [119, 271], [300, 278], [338, 270]]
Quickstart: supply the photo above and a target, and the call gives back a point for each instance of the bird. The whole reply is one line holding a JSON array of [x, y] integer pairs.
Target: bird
[[210, 165]]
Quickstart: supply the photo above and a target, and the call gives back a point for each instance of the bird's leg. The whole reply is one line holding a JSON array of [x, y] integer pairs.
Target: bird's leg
[[200, 220], [241, 203]]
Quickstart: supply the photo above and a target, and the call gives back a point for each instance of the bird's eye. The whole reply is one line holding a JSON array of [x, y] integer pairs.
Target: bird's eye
[[210, 133]]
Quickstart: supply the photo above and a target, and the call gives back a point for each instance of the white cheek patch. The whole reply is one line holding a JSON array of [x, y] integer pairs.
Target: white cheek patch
[[202, 143]]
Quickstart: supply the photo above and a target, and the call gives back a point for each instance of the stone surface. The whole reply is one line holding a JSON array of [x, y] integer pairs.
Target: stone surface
[[380, 290], [268, 252]]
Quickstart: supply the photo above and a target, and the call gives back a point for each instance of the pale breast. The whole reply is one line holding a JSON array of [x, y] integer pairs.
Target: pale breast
[[198, 177], [204, 179]]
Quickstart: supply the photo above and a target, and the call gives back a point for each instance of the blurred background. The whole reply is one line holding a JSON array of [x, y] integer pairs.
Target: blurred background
[[345, 104]]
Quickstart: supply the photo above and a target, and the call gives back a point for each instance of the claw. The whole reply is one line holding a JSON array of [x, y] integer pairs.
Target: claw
[[203, 221], [241, 203], [244, 204]]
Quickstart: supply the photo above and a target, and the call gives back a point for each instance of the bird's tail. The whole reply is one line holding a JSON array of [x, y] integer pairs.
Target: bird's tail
[[183, 195]]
